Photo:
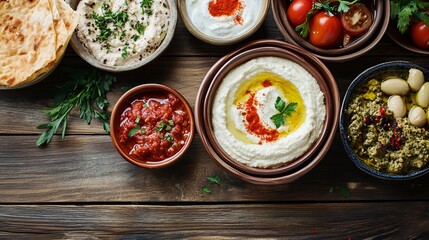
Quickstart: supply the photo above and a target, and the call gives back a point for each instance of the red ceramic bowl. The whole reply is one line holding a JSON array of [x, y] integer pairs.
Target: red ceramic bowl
[[125, 101], [310, 158]]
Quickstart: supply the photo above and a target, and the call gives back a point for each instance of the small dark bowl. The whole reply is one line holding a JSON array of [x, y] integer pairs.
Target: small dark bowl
[[403, 40], [368, 74], [354, 49], [125, 101], [257, 175]]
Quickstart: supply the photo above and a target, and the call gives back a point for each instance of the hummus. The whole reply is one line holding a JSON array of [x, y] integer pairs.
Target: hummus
[[122, 32], [221, 21], [245, 105]]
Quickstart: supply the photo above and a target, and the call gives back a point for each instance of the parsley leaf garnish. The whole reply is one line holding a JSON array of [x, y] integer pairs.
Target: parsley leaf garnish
[[340, 6], [88, 94], [146, 6], [214, 179], [133, 131], [207, 190], [403, 11], [107, 16], [285, 111]]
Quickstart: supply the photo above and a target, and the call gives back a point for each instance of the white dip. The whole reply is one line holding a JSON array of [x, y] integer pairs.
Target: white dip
[[251, 137], [224, 26], [122, 32]]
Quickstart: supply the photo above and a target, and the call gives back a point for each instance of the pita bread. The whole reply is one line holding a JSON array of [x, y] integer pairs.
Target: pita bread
[[33, 38]]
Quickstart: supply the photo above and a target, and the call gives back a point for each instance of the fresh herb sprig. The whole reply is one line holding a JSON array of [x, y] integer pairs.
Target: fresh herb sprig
[[285, 111], [405, 10], [341, 6], [88, 94]]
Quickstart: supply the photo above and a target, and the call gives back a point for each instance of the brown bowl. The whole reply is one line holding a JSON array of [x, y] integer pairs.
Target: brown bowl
[[124, 103], [307, 161], [403, 40], [354, 49], [240, 59]]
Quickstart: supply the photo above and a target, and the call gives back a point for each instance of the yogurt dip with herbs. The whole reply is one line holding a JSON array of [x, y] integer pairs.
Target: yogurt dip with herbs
[[268, 112], [122, 32], [223, 18]]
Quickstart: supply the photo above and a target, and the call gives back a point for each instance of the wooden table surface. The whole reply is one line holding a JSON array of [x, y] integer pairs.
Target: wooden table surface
[[82, 188]]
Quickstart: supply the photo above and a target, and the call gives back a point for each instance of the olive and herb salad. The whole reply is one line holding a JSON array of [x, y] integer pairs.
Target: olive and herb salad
[[412, 18], [330, 24], [387, 118], [119, 32]]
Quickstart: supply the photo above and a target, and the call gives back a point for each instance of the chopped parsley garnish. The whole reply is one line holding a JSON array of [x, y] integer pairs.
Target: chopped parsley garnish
[[140, 28], [207, 190], [133, 131], [146, 6], [125, 52], [170, 122], [214, 179], [135, 37], [145, 105], [162, 125], [107, 16], [285, 111], [137, 119], [169, 138]]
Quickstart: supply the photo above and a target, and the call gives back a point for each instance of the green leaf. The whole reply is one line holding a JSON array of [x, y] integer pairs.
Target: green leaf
[[404, 18], [279, 104], [207, 190], [171, 122], [169, 138], [422, 16], [395, 8], [278, 120], [345, 192], [331, 190], [140, 28], [137, 119], [214, 179], [290, 108], [133, 131]]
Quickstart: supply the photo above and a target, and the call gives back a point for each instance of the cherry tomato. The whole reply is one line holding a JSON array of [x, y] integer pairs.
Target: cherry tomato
[[297, 11], [357, 20], [420, 34], [325, 30]]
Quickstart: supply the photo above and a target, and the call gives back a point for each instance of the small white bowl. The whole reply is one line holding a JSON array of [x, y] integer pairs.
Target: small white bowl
[[88, 57], [223, 41]]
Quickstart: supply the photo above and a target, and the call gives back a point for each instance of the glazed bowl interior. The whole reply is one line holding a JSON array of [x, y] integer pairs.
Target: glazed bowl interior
[[371, 73], [240, 59], [125, 101], [222, 41], [88, 57], [357, 47]]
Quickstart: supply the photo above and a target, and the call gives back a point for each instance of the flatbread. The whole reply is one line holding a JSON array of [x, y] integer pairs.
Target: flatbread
[[33, 38]]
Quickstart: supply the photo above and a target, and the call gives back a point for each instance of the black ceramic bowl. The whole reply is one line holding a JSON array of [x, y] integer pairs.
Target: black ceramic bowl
[[368, 74]]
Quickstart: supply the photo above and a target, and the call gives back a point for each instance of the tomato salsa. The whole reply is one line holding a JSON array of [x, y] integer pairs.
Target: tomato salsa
[[154, 127]]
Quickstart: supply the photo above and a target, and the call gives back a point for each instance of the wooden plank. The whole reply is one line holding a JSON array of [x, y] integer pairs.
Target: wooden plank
[[397, 220], [87, 168]]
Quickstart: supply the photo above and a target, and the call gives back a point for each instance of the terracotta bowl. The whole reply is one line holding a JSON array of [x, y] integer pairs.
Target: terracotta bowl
[[222, 41], [125, 101], [88, 57], [309, 159], [403, 40], [356, 48], [393, 67]]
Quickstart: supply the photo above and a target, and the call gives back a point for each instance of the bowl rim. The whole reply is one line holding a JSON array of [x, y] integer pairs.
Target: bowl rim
[[119, 107], [290, 177], [240, 59], [400, 39], [373, 40], [361, 78], [89, 58], [222, 41]]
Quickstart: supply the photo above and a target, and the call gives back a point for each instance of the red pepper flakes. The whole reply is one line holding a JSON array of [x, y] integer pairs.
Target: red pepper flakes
[[267, 83], [218, 8], [253, 122]]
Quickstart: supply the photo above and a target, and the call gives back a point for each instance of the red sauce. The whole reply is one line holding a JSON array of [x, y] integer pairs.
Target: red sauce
[[154, 127]]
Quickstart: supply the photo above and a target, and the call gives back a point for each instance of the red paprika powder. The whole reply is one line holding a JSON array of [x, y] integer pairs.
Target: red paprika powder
[[218, 8]]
